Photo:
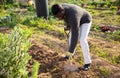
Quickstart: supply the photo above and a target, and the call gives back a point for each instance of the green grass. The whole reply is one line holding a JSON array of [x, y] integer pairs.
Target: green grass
[[105, 72], [106, 17], [106, 54]]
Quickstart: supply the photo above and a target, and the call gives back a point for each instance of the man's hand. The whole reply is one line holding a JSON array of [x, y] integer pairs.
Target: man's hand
[[69, 55], [67, 28]]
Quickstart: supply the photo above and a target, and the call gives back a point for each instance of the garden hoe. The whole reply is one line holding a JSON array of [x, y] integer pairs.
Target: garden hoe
[[70, 65]]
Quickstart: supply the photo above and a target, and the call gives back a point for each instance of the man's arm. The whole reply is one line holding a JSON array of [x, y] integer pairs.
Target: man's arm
[[74, 22]]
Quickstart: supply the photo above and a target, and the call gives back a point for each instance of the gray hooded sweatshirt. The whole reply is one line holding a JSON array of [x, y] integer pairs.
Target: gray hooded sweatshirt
[[74, 17]]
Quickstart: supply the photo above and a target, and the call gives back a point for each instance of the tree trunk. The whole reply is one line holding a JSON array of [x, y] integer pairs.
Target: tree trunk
[[1, 2], [42, 8]]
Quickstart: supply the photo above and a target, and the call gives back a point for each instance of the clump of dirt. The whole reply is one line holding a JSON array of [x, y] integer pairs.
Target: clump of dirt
[[51, 64]]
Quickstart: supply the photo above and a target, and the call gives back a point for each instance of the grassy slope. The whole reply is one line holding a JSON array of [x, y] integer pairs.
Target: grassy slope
[[105, 17]]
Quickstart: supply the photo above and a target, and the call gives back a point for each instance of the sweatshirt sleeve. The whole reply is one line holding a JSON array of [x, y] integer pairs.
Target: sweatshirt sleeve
[[74, 22]]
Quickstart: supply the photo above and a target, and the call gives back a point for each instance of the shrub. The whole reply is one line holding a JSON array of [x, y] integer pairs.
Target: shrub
[[102, 4], [113, 8], [94, 4], [13, 53], [109, 4], [9, 20]]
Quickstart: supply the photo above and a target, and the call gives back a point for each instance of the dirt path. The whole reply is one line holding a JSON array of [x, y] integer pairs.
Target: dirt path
[[46, 51]]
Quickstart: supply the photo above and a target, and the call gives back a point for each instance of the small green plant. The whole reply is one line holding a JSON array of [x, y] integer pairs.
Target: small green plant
[[114, 36], [105, 72], [109, 4], [116, 59], [94, 4], [95, 28], [113, 8], [101, 53], [35, 70], [30, 8]]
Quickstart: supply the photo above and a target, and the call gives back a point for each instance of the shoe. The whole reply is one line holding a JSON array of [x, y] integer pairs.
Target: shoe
[[86, 67]]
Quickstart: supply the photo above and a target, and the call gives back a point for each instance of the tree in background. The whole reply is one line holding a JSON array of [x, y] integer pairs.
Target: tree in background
[[2, 2], [42, 8]]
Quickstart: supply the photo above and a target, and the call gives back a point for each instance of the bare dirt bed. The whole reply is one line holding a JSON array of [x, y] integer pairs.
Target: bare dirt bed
[[51, 63]]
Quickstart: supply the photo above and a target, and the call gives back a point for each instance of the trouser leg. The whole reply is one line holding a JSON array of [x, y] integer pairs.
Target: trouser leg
[[84, 31]]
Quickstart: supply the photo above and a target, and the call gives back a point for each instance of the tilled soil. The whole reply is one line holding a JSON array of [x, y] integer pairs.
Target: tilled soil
[[51, 64]]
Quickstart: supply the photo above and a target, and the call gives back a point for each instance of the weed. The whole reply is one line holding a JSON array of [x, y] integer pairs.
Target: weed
[[116, 59], [95, 28], [105, 72], [113, 36]]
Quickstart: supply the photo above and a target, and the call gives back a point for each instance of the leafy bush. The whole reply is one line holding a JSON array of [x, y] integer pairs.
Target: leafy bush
[[102, 4], [93, 3], [13, 53], [41, 23], [9, 20], [30, 8], [113, 8], [109, 4]]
